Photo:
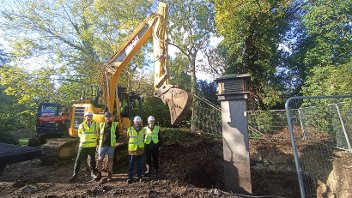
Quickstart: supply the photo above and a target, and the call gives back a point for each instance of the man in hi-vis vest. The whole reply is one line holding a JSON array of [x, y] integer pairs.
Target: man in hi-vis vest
[[135, 135], [87, 132], [151, 144], [108, 134]]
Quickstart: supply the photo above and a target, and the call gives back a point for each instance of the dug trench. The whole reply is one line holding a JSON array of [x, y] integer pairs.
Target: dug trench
[[191, 165]]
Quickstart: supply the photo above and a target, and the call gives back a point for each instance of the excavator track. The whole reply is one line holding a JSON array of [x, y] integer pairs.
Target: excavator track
[[58, 149]]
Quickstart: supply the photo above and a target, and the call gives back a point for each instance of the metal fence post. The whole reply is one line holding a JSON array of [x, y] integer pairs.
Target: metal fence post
[[343, 128], [295, 153], [301, 121]]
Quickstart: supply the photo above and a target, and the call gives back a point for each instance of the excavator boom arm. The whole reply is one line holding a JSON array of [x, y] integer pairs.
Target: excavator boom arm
[[154, 26]]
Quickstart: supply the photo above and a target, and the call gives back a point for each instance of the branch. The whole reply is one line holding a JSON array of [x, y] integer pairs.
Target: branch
[[183, 52]]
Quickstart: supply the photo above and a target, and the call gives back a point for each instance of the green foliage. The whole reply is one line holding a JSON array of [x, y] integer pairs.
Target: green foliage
[[329, 80], [190, 28], [24, 91], [13, 116], [178, 71], [208, 90], [252, 32], [6, 109], [23, 141], [76, 35], [327, 55], [155, 107], [264, 121], [37, 88], [6, 137], [321, 46], [318, 118], [10, 118], [328, 24], [172, 135]]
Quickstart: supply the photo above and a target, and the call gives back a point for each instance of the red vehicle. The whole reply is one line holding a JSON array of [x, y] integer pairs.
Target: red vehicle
[[52, 120]]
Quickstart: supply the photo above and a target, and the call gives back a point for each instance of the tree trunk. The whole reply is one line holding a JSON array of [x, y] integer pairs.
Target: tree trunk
[[193, 90]]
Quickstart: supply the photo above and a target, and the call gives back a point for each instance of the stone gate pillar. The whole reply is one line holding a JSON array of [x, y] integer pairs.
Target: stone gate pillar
[[233, 93]]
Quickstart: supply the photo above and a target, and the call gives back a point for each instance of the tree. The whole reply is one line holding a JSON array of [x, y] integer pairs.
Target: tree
[[37, 88], [8, 108], [253, 31], [191, 25], [327, 55], [154, 106], [208, 90], [180, 77], [77, 35], [328, 23], [329, 80]]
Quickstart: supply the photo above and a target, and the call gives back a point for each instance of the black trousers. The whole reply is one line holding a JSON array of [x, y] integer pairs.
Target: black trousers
[[82, 155], [152, 153]]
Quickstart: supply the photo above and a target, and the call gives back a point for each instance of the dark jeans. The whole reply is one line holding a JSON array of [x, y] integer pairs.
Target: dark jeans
[[131, 161], [152, 152], [82, 155]]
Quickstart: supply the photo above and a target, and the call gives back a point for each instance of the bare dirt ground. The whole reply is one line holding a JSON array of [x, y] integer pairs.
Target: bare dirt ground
[[191, 166]]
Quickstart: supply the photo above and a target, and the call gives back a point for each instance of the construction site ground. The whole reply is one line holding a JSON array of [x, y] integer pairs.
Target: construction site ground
[[191, 166]]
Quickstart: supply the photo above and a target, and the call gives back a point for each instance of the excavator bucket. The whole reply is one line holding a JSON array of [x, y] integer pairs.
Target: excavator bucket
[[58, 149], [178, 100]]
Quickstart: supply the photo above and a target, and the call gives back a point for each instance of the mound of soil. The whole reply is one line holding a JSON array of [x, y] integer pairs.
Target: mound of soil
[[187, 170], [191, 166]]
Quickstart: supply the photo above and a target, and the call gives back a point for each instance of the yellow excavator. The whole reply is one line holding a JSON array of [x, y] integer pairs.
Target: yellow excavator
[[115, 97]]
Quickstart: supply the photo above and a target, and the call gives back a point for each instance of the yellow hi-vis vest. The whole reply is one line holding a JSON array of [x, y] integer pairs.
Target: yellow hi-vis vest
[[87, 135], [135, 139], [151, 135], [112, 132]]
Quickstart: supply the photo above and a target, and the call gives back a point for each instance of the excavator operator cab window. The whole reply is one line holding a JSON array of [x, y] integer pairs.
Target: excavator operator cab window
[[130, 103], [78, 116], [135, 104], [124, 107]]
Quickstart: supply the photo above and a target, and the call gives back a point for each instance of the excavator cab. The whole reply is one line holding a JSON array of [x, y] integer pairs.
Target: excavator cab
[[127, 105]]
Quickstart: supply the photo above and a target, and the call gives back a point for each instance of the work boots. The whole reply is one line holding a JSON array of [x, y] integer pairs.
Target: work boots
[[147, 172], [109, 177], [129, 181], [73, 177], [92, 174], [98, 176]]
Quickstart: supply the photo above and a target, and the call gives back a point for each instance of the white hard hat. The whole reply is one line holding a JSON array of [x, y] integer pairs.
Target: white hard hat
[[137, 119], [88, 113], [151, 118]]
